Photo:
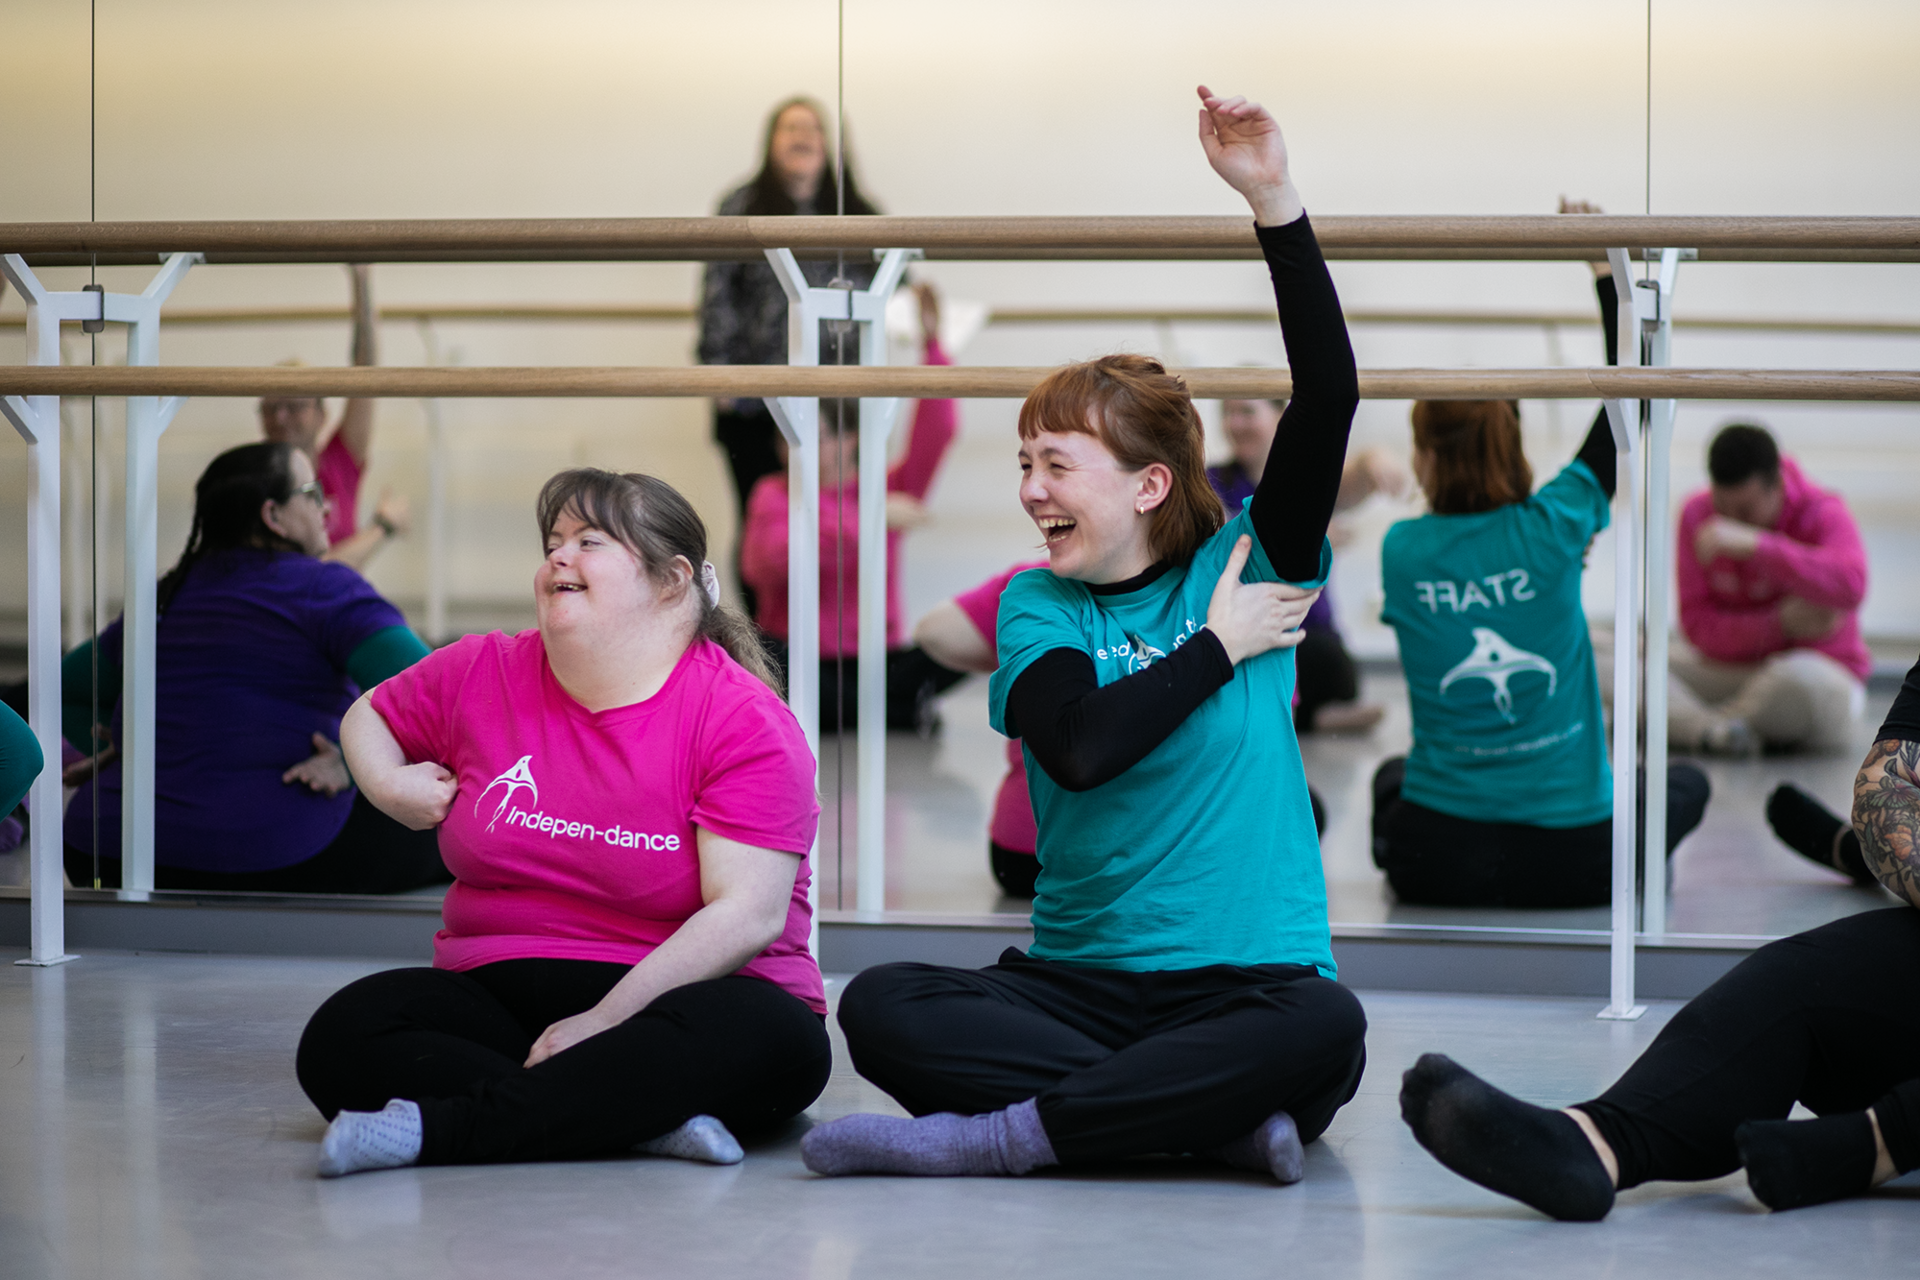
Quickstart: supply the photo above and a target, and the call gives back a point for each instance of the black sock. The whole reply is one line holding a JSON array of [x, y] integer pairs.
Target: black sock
[[1808, 827], [1794, 1163], [1535, 1155]]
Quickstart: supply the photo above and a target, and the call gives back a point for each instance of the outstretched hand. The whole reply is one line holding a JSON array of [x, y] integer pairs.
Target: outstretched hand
[[1243, 144], [1252, 617], [325, 771]]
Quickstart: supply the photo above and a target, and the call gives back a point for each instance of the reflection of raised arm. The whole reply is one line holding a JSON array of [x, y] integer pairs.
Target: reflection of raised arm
[[1886, 815], [417, 796], [356, 424]]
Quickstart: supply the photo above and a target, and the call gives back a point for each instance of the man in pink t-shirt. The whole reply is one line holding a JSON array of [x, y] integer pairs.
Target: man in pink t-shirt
[[1771, 574], [339, 464]]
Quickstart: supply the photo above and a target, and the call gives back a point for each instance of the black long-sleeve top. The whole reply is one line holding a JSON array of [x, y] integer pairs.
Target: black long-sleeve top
[[1085, 734], [1598, 449]]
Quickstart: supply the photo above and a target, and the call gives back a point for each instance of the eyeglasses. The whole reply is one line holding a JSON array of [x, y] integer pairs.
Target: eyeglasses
[[312, 490]]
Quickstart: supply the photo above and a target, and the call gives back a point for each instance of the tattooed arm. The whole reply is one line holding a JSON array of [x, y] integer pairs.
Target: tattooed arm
[[1886, 815]]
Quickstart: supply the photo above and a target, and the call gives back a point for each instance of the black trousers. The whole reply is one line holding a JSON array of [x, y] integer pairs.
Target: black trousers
[[1013, 870], [747, 434], [1123, 1064], [914, 680], [1435, 859], [372, 854], [736, 1048], [1829, 1018], [1324, 672]]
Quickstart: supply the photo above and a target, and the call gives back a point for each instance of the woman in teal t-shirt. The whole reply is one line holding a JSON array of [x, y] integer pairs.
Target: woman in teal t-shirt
[[1179, 996], [1506, 799]]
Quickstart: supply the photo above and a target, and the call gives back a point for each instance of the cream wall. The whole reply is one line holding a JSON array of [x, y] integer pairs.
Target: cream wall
[[218, 109]]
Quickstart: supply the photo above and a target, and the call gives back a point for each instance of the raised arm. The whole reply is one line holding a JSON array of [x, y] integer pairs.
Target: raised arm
[[356, 423], [1300, 487], [1598, 450]]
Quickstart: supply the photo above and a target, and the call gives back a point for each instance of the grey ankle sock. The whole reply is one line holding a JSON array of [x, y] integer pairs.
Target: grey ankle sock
[[359, 1140], [702, 1138], [1272, 1148], [1011, 1141]]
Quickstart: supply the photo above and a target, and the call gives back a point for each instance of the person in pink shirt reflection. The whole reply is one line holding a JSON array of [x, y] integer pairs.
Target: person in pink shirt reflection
[[627, 807], [341, 461], [1771, 574], [913, 678]]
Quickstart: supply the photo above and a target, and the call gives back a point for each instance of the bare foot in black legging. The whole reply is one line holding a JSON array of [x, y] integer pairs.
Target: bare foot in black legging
[[1547, 1159]]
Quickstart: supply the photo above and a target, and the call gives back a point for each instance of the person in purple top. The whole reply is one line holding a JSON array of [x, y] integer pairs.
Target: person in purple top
[[1329, 688], [262, 647]]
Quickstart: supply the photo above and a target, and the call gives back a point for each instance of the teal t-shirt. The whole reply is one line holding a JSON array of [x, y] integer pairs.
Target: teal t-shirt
[[1204, 852], [1493, 640]]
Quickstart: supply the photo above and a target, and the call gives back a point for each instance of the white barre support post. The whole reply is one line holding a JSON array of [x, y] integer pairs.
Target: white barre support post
[[37, 419], [799, 421], [1624, 417], [436, 593], [1653, 309], [147, 418]]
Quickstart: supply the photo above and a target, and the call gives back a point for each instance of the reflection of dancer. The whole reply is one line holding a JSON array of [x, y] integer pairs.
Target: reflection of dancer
[[1505, 799], [1827, 1018], [743, 309], [1179, 994], [1329, 685], [340, 463]]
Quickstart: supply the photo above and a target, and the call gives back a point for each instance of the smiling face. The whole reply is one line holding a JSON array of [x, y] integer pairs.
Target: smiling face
[[798, 150], [590, 582], [1092, 512]]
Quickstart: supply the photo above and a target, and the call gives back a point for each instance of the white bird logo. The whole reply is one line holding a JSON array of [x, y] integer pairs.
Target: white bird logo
[[515, 778], [1496, 661]]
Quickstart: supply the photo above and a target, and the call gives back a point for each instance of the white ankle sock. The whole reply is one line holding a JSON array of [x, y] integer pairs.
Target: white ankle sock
[[702, 1138], [360, 1140]]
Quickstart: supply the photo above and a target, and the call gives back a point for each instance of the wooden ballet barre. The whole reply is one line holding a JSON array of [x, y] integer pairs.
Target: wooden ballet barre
[[598, 313], [1581, 237], [949, 381]]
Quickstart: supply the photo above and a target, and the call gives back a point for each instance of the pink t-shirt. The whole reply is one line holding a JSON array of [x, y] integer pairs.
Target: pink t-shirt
[[339, 477], [572, 834], [1013, 825]]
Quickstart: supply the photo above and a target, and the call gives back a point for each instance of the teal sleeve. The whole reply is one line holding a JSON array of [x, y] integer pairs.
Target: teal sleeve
[[76, 698], [383, 654], [20, 759]]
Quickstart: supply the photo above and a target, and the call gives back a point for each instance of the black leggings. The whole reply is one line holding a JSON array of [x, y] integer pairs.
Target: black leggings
[[1122, 1064], [372, 854], [1015, 871], [736, 1048], [1323, 672], [1435, 859], [1829, 1018]]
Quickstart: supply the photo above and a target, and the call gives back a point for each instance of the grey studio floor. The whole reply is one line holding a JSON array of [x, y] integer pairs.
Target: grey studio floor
[[150, 1125]]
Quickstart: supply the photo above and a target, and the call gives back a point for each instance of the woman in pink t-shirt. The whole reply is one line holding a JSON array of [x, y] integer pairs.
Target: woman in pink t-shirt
[[626, 805]]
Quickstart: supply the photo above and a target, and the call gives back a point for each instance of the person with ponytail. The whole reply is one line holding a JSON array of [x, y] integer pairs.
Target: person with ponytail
[[261, 646], [1506, 799], [627, 806]]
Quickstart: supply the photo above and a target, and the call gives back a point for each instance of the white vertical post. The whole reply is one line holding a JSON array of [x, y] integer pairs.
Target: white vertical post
[[147, 418], [1624, 417], [436, 593], [799, 422], [1658, 331], [869, 307], [37, 419]]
